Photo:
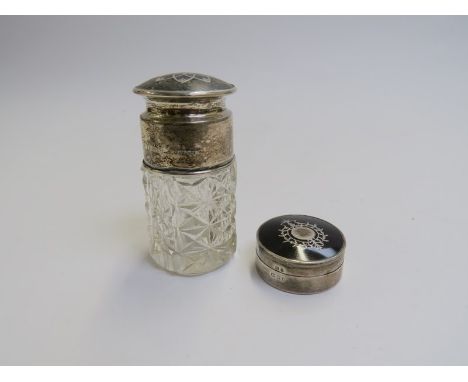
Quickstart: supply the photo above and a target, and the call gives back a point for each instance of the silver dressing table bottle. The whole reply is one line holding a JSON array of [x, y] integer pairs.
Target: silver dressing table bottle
[[189, 172]]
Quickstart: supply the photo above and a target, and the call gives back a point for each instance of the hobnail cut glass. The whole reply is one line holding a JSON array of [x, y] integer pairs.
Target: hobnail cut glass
[[191, 218]]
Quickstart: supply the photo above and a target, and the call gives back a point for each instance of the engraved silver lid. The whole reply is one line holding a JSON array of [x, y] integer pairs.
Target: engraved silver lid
[[184, 84], [300, 253]]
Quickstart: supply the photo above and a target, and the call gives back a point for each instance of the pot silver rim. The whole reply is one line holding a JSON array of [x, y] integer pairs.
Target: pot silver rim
[[298, 284]]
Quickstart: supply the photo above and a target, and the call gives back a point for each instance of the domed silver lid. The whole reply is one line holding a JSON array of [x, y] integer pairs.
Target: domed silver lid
[[184, 84]]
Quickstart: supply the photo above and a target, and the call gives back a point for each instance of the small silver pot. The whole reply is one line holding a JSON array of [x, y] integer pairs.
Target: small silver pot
[[300, 254]]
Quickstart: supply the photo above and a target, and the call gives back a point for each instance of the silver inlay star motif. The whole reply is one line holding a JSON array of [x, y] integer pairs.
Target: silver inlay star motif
[[304, 235]]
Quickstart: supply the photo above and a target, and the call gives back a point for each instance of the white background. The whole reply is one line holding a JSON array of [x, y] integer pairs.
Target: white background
[[361, 121]]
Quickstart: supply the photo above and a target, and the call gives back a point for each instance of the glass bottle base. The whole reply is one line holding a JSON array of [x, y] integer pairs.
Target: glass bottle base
[[195, 265], [191, 218]]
